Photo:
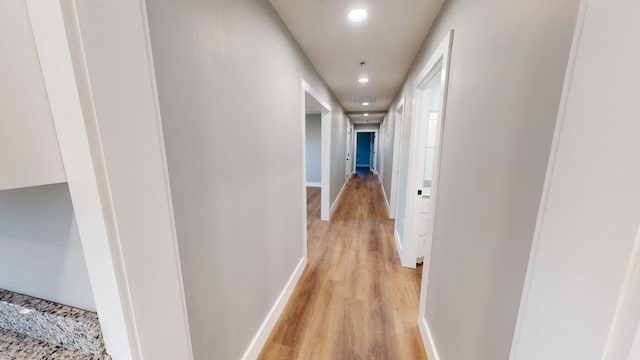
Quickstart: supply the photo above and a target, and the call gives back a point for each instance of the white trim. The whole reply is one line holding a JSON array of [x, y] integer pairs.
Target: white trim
[[314, 184], [382, 145], [325, 196], [305, 85], [99, 160], [167, 183], [442, 58], [626, 317], [88, 187], [396, 237], [303, 143], [386, 200], [348, 157], [256, 345], [566, 89], [397, 149], [427, 339], [438, 62], [325, 140], [338, 198], [634, 352]]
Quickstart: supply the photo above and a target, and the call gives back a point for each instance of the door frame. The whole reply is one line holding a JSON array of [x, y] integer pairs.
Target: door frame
[[325, 154], [348, 154], [397, 149], [374, 166], [440, 60], [99, 162], [381, 145]]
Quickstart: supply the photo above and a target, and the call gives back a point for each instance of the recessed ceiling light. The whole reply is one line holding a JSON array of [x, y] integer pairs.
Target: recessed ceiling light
[[363, 80], [357, 15], [366, 114], [365, 104]]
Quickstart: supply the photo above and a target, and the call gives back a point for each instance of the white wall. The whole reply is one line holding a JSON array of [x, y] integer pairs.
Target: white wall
[[507, 68], [367, 126], [590, 215], [29, 153], [41, 253], [313, 143], [235, 179]]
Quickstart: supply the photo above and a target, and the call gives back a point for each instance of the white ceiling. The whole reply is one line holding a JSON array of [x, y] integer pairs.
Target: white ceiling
[[370, 119], [388, 39]]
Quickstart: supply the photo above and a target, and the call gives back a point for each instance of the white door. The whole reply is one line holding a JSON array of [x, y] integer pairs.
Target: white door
[[424, 166], [395, 165], [347, 170], [381, 143], [425, 142]]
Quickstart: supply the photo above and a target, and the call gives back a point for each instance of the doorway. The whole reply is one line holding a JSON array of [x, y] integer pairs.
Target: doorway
[[348, 157], [365, 150], [316, 135], [313, 159], [418, 202], [395, 165], [421, 176], [313, 146], [427, 137]]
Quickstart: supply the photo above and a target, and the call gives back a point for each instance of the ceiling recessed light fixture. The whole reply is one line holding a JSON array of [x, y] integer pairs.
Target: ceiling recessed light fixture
[[357, 15], [363, 80], [365, 104], [366, 114]]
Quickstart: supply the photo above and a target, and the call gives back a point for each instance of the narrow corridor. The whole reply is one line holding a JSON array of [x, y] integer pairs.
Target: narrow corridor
[[354, 300]]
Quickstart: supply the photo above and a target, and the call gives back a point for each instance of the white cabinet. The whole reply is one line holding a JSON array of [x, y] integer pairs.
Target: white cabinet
[[29, 152]]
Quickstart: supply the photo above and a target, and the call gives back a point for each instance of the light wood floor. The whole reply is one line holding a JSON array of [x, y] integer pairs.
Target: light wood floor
[[313, 205], [354, 300]]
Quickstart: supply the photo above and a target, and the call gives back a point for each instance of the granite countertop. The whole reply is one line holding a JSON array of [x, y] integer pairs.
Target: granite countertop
[[60, 325], [15, 346], [88, 318]]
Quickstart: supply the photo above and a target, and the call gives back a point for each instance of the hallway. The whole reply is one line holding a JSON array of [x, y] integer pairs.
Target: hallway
[[132, 131], [354, 300]]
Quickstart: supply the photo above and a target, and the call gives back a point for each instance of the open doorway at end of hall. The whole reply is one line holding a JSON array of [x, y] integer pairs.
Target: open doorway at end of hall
[[365, 151]]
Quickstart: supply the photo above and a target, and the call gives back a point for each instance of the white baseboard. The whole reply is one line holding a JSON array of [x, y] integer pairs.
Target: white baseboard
[[396, 237], [337, 201], [254, 349], [386, 201], [427, 340], [314, 184]]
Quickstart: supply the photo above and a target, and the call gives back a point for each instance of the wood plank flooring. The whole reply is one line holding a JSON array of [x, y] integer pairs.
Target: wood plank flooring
[[313, 205], [354, 300]]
